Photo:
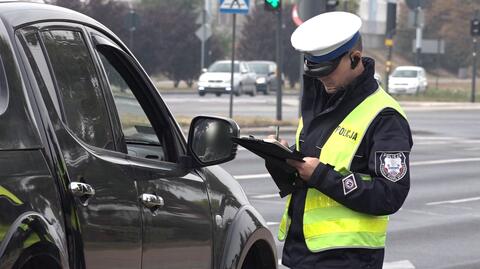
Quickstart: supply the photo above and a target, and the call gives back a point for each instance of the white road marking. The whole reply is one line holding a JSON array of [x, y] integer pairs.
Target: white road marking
[[405, 264], [272, 223], [471, 199], [255, 176], [265, 196], [446, 161]]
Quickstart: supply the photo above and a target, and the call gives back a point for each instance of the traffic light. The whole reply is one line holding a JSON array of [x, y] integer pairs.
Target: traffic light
[[272, 5], [331, 5], [475, 27]]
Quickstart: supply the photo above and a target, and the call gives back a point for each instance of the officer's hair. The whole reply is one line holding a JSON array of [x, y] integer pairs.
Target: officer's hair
[[358, 45]]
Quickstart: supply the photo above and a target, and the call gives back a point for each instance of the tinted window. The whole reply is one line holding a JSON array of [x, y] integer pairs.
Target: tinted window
[[135, 124], [141, 137], [78, 87], [40, 68]]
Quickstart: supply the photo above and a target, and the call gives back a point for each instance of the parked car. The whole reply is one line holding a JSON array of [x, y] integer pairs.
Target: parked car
[[407, 80], [216, 79], [266, 78], [95, 177]]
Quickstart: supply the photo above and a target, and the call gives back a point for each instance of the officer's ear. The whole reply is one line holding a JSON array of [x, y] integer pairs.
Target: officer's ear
[[355, 58]]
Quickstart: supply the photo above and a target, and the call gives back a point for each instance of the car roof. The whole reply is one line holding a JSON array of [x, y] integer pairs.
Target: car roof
[[20, 13]]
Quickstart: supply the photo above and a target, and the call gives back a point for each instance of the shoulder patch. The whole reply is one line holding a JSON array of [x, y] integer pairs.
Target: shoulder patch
[[349, 184], [393, 165]]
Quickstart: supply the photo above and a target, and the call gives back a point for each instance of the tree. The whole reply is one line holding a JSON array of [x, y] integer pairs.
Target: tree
[[445, 19], [167, 42], [258, 40]]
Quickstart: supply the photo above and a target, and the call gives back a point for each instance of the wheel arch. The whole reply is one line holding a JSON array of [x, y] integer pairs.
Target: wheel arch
[[249, 235]]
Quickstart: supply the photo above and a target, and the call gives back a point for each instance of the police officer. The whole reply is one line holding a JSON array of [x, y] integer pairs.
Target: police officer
[[357, 140]]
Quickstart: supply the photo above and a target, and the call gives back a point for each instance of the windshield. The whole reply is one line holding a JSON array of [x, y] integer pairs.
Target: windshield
[[405, 73], [223, 67], [259, 68]]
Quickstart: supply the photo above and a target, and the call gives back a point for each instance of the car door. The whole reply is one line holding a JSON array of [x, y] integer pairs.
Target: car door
[[106, 216], [176, 216]]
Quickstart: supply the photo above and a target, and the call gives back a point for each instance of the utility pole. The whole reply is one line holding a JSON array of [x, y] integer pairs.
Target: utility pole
[[279, 64], [475, 32], [389, 33], [419, 26]]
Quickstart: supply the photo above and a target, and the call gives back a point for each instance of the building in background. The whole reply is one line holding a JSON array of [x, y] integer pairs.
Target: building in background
[[374, 17]]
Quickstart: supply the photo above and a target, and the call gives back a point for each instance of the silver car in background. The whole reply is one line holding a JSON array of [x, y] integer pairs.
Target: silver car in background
[[217, 79], [407, 80], [266, 72]]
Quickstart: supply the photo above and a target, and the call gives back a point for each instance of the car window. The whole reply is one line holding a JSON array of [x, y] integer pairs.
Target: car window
[[73, 84], [260, 68], [141, 138], [224, 67], [78, 87], [405, 73], [40, 67]]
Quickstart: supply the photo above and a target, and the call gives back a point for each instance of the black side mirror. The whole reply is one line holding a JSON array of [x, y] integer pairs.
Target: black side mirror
[[209, 140]]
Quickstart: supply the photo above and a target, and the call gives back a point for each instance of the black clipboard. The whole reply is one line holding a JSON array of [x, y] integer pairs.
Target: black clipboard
[[268, 148]]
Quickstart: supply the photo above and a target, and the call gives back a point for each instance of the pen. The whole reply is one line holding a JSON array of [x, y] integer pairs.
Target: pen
[[277, 132]]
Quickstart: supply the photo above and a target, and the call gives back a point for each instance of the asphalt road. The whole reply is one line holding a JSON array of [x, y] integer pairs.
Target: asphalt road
[[439, 224]]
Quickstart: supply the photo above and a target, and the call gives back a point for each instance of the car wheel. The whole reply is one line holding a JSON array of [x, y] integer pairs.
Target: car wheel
[[267, 90], [201, 93], [218, 94], [239, 91], [254, 92]]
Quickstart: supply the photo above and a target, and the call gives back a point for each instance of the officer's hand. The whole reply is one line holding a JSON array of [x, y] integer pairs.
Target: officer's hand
[[282, 141], [305, 169]]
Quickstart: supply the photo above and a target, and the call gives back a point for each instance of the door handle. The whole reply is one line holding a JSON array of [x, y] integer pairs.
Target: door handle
[[152, 201], [82, 191]]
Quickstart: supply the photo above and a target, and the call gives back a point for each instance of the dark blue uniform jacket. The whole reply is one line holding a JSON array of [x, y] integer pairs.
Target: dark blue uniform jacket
[[389, 133]]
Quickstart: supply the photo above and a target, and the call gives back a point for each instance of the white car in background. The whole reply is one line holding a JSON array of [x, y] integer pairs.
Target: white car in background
[[407, 80], [216, 79]]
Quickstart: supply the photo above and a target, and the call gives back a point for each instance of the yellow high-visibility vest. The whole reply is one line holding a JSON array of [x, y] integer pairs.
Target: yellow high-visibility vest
[[326, 223]]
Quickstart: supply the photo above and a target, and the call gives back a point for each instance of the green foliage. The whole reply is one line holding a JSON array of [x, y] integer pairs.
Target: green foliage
[[445, 19], [164, 40]]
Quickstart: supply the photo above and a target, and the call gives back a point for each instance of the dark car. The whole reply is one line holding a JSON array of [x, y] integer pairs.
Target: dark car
[[266, 78], [94, 170]]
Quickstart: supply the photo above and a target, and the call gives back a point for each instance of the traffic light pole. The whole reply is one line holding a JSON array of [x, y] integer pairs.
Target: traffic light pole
[[474, 72], [279, 64], [233, 65]]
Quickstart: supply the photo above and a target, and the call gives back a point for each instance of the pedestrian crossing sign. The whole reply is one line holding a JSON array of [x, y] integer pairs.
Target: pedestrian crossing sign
[[234, 6]]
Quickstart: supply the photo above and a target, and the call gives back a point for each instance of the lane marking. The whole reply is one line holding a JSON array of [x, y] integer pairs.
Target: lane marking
[[254, 176], [405, 264], [446, 161], [471, 199], [272, 223], [265, 196]]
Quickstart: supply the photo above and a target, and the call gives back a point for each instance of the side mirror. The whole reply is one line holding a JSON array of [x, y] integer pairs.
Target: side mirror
[[204, 70], [209, 140]]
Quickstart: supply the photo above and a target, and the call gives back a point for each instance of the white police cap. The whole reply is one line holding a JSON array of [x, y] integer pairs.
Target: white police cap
[[327, 36]]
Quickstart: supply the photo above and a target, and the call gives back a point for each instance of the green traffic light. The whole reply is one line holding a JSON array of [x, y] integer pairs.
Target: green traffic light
[[274, 3]]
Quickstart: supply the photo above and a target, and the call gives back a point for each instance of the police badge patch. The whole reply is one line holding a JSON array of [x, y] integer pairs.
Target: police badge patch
[[393, 165], [349, 184]]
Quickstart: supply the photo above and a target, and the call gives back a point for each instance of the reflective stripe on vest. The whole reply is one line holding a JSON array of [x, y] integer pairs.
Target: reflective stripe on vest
[[326, 223]]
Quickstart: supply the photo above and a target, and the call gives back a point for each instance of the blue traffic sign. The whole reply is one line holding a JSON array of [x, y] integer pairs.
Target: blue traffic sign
[[234, 6]]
